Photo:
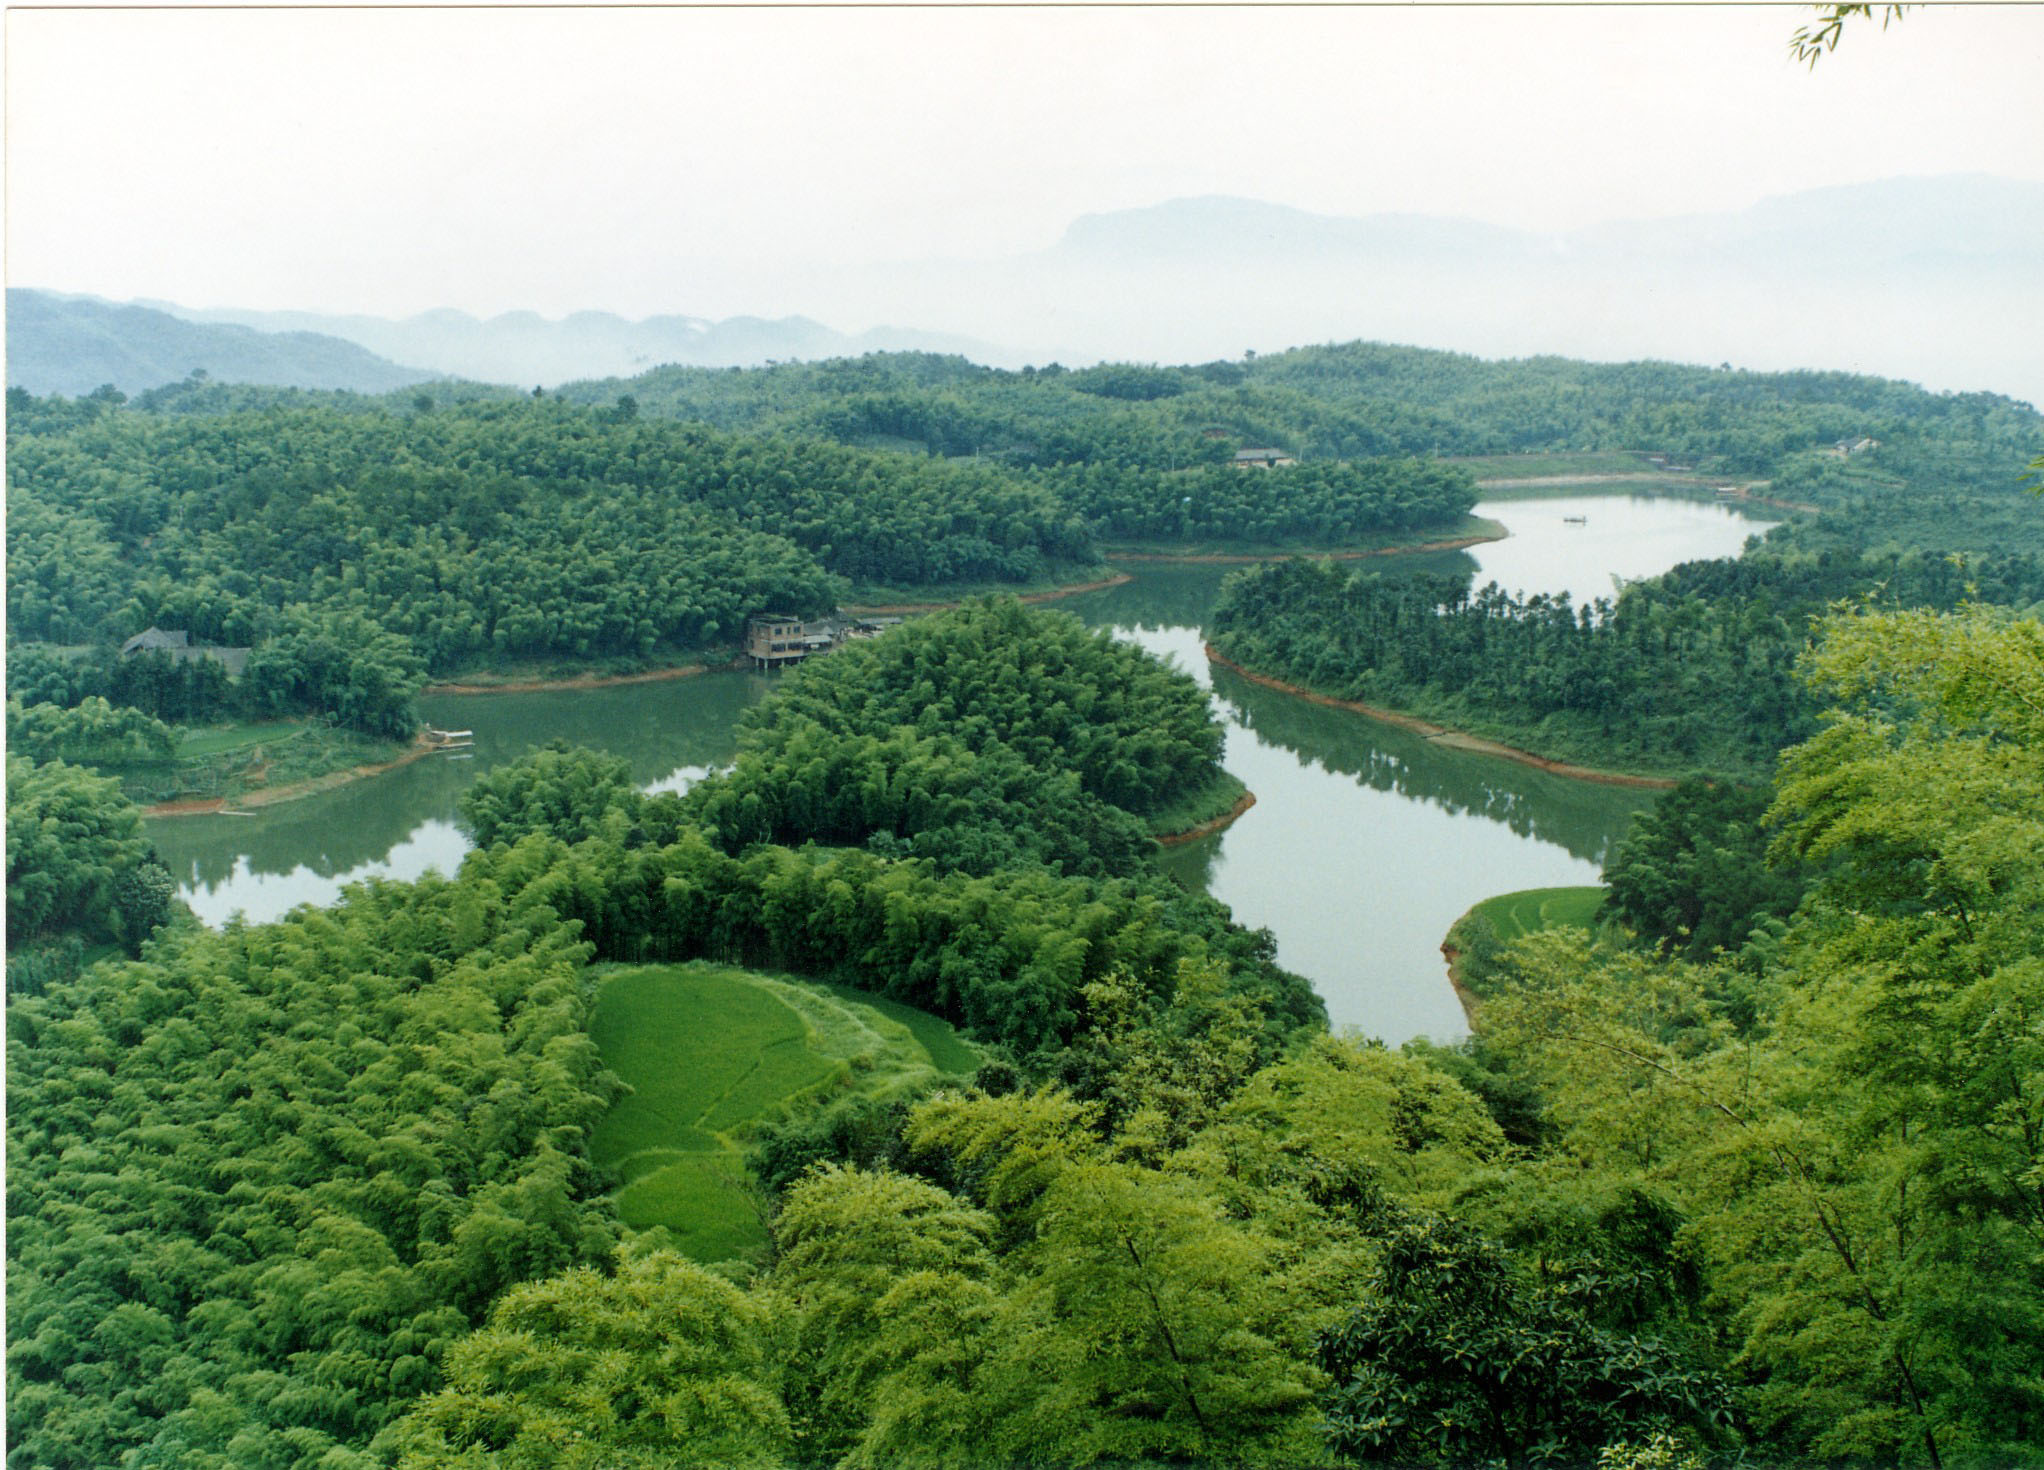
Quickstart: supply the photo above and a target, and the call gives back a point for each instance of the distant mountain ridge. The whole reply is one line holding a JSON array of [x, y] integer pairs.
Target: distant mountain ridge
[[1933, 280], [522, 347], [74, 344], [1972, 217]]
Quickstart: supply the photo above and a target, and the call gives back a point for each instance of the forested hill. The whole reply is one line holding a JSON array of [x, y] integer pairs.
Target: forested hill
[[506, 529], [61, 344], [1342, 401]]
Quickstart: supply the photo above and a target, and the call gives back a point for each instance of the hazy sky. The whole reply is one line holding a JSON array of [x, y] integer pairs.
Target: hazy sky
[[674, 160]]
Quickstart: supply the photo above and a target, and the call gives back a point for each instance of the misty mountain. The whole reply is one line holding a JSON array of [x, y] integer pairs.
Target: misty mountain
[[73, 344], [521, 347], [1937, 281], [1218, 228], [1958, 222], [1966, 219]]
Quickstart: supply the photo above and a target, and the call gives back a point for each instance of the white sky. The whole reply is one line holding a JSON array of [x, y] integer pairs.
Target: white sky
[[393, 160]]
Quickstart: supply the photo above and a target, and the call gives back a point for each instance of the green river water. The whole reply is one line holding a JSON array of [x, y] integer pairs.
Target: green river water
[[1365, 844]]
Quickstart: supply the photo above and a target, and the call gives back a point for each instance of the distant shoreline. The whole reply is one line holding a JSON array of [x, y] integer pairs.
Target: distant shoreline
[[1243, 559], [572, 681], [1443, 735]]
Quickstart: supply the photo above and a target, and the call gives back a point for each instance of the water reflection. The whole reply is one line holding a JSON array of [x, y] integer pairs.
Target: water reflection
[[402, 823], [1365, 844], [1582, 817]]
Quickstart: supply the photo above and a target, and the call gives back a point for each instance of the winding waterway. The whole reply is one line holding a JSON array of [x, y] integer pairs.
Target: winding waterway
[[1365, 844]]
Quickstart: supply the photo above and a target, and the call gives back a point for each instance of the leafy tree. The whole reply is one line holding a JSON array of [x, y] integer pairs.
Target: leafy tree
[[1692, 875], [656, 1364], [262, 1180], [872, 1267], [1455, 1359], [71, 836], [566, 791]]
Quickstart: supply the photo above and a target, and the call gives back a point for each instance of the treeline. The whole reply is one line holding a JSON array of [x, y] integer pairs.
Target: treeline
[[80, 873], [1327, 504], [520, 529], [262, 1181], [1349, 401], [339, 666], [1695, 669], [1839, 1085]]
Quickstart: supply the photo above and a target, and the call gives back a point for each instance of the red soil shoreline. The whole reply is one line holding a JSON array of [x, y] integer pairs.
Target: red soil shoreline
[[1456, 739], [1212, 825], [271, 795]]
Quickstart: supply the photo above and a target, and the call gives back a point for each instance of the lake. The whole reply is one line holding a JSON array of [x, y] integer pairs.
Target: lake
[[1365, 844]]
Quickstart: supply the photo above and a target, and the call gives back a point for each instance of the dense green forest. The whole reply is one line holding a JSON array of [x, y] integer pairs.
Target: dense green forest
[[1692, 670], [359, 543], [321, 1191], [1750, 1177]]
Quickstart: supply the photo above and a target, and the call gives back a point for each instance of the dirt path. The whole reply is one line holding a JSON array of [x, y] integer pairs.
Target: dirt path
[[577, 681], [422, 747], [1208, 828], [1442, 735]]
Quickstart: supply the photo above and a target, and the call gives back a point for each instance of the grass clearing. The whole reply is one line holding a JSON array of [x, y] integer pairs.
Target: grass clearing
[[1530, 910], [1475, 941], [1209, 801], [710, 1052], [219, 739]]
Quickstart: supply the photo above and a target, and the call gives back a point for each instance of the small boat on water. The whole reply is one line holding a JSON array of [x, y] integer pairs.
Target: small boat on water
[[1575, 520]]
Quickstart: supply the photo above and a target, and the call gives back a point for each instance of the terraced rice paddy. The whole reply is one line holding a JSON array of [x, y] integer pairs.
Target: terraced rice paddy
[[1533, 909], [710, 1052]]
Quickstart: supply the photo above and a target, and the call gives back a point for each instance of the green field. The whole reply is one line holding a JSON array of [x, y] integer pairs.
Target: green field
[[709, 1053], [1533, 909], [1475, 940], [219, 739]]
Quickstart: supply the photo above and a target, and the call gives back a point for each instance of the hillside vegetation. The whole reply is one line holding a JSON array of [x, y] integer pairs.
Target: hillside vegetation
[[1747, 1176]]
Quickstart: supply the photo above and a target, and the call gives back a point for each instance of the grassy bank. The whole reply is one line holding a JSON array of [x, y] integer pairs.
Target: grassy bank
[[711, 1052], [1208, 805], [232, 761], [1472, 943]]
